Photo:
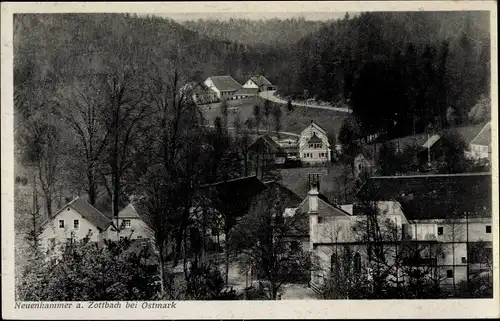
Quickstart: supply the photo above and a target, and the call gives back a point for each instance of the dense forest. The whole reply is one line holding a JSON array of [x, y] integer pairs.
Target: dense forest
[[258, 33]]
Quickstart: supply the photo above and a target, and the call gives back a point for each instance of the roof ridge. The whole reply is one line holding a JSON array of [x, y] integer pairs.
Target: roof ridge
[[481, 131]]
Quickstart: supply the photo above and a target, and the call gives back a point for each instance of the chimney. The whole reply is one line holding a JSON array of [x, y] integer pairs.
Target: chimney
[[313, 198]]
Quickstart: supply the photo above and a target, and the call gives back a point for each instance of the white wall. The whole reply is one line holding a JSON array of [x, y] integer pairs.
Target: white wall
[[140, 230], [479, 151], [211, 85], [305, 135], [250, 84], [68, 214]]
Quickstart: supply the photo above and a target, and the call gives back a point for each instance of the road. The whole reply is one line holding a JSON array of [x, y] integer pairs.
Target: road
[[270, 95], [261, 131]]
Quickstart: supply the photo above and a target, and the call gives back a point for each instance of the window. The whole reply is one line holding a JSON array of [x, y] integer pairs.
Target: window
[[76, 224], [440, 230], [488, 229], [139, 237], [126, 223], [464, 259], [61, 223], [449, 274], [320, 220]]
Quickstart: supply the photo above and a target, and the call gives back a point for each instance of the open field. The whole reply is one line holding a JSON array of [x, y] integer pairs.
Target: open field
[[292, 121]]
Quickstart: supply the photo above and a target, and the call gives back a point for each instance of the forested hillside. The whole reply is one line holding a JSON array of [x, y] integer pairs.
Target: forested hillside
[[401, 71], [274, 32]]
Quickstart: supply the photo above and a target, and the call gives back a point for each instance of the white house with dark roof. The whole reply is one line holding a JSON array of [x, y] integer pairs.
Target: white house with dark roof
[[480, 146], [76, 220], [425, 221], [130, 225], [223, 86], [314, 147], [259, 82]]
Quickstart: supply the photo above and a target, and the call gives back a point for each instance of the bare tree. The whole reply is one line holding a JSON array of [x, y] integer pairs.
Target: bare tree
[[257, 117], [82, 106], [261, 236]]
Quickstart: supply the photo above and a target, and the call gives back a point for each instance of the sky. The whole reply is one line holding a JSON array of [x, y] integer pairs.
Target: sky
[[254, 15]]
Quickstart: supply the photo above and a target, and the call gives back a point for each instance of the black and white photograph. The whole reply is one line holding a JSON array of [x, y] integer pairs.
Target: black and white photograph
[[164, 157]]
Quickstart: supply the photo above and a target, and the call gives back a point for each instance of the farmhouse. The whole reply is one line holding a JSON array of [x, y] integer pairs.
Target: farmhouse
[[268, 150], [314, 147], [480, 146], [128, 224], [223, 86], [426, 222], [76, 220], [260, 83]]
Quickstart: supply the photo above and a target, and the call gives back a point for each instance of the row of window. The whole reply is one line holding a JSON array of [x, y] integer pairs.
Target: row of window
[[76, 224], [441, 229], [316, 145], [310, 155]]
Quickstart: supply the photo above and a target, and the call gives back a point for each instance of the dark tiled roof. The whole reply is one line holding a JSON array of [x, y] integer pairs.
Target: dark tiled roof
[[89, 212], [291, 199], [225, 83], [260, 80], [484, 137], [247, 91], [466, 132], [314, 139], [433, 196]]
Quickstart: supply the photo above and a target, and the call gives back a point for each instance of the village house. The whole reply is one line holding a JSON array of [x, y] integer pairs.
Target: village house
[[480, 146], [425, 221], [314, 147], [200, 93], [266, 149], [223, 86], [74, 221], [260, 83], [130, 225]]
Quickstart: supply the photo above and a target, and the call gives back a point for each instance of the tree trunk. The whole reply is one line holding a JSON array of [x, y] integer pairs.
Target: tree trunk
[[226, 253]]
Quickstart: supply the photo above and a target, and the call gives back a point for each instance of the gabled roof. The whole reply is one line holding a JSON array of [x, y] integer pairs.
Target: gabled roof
[[467, 133], [265, 139], [437, 196], [89, 212], [317, 126], [314, 139], [324, 208], [260, 81], [292, 199], [247, 91], [225, 83], [128, 212], [484, 136]]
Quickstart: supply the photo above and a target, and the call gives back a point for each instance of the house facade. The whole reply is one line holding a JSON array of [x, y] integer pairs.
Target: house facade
[[426, 222], [130, 225], [223, 86], [480, 146], [74, 221], [245, 93], [260, 83], [314, 147]]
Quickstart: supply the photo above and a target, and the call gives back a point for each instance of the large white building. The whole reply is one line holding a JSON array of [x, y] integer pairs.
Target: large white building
[[439, 223], [480, 146], [223, 86], [314, 147]]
